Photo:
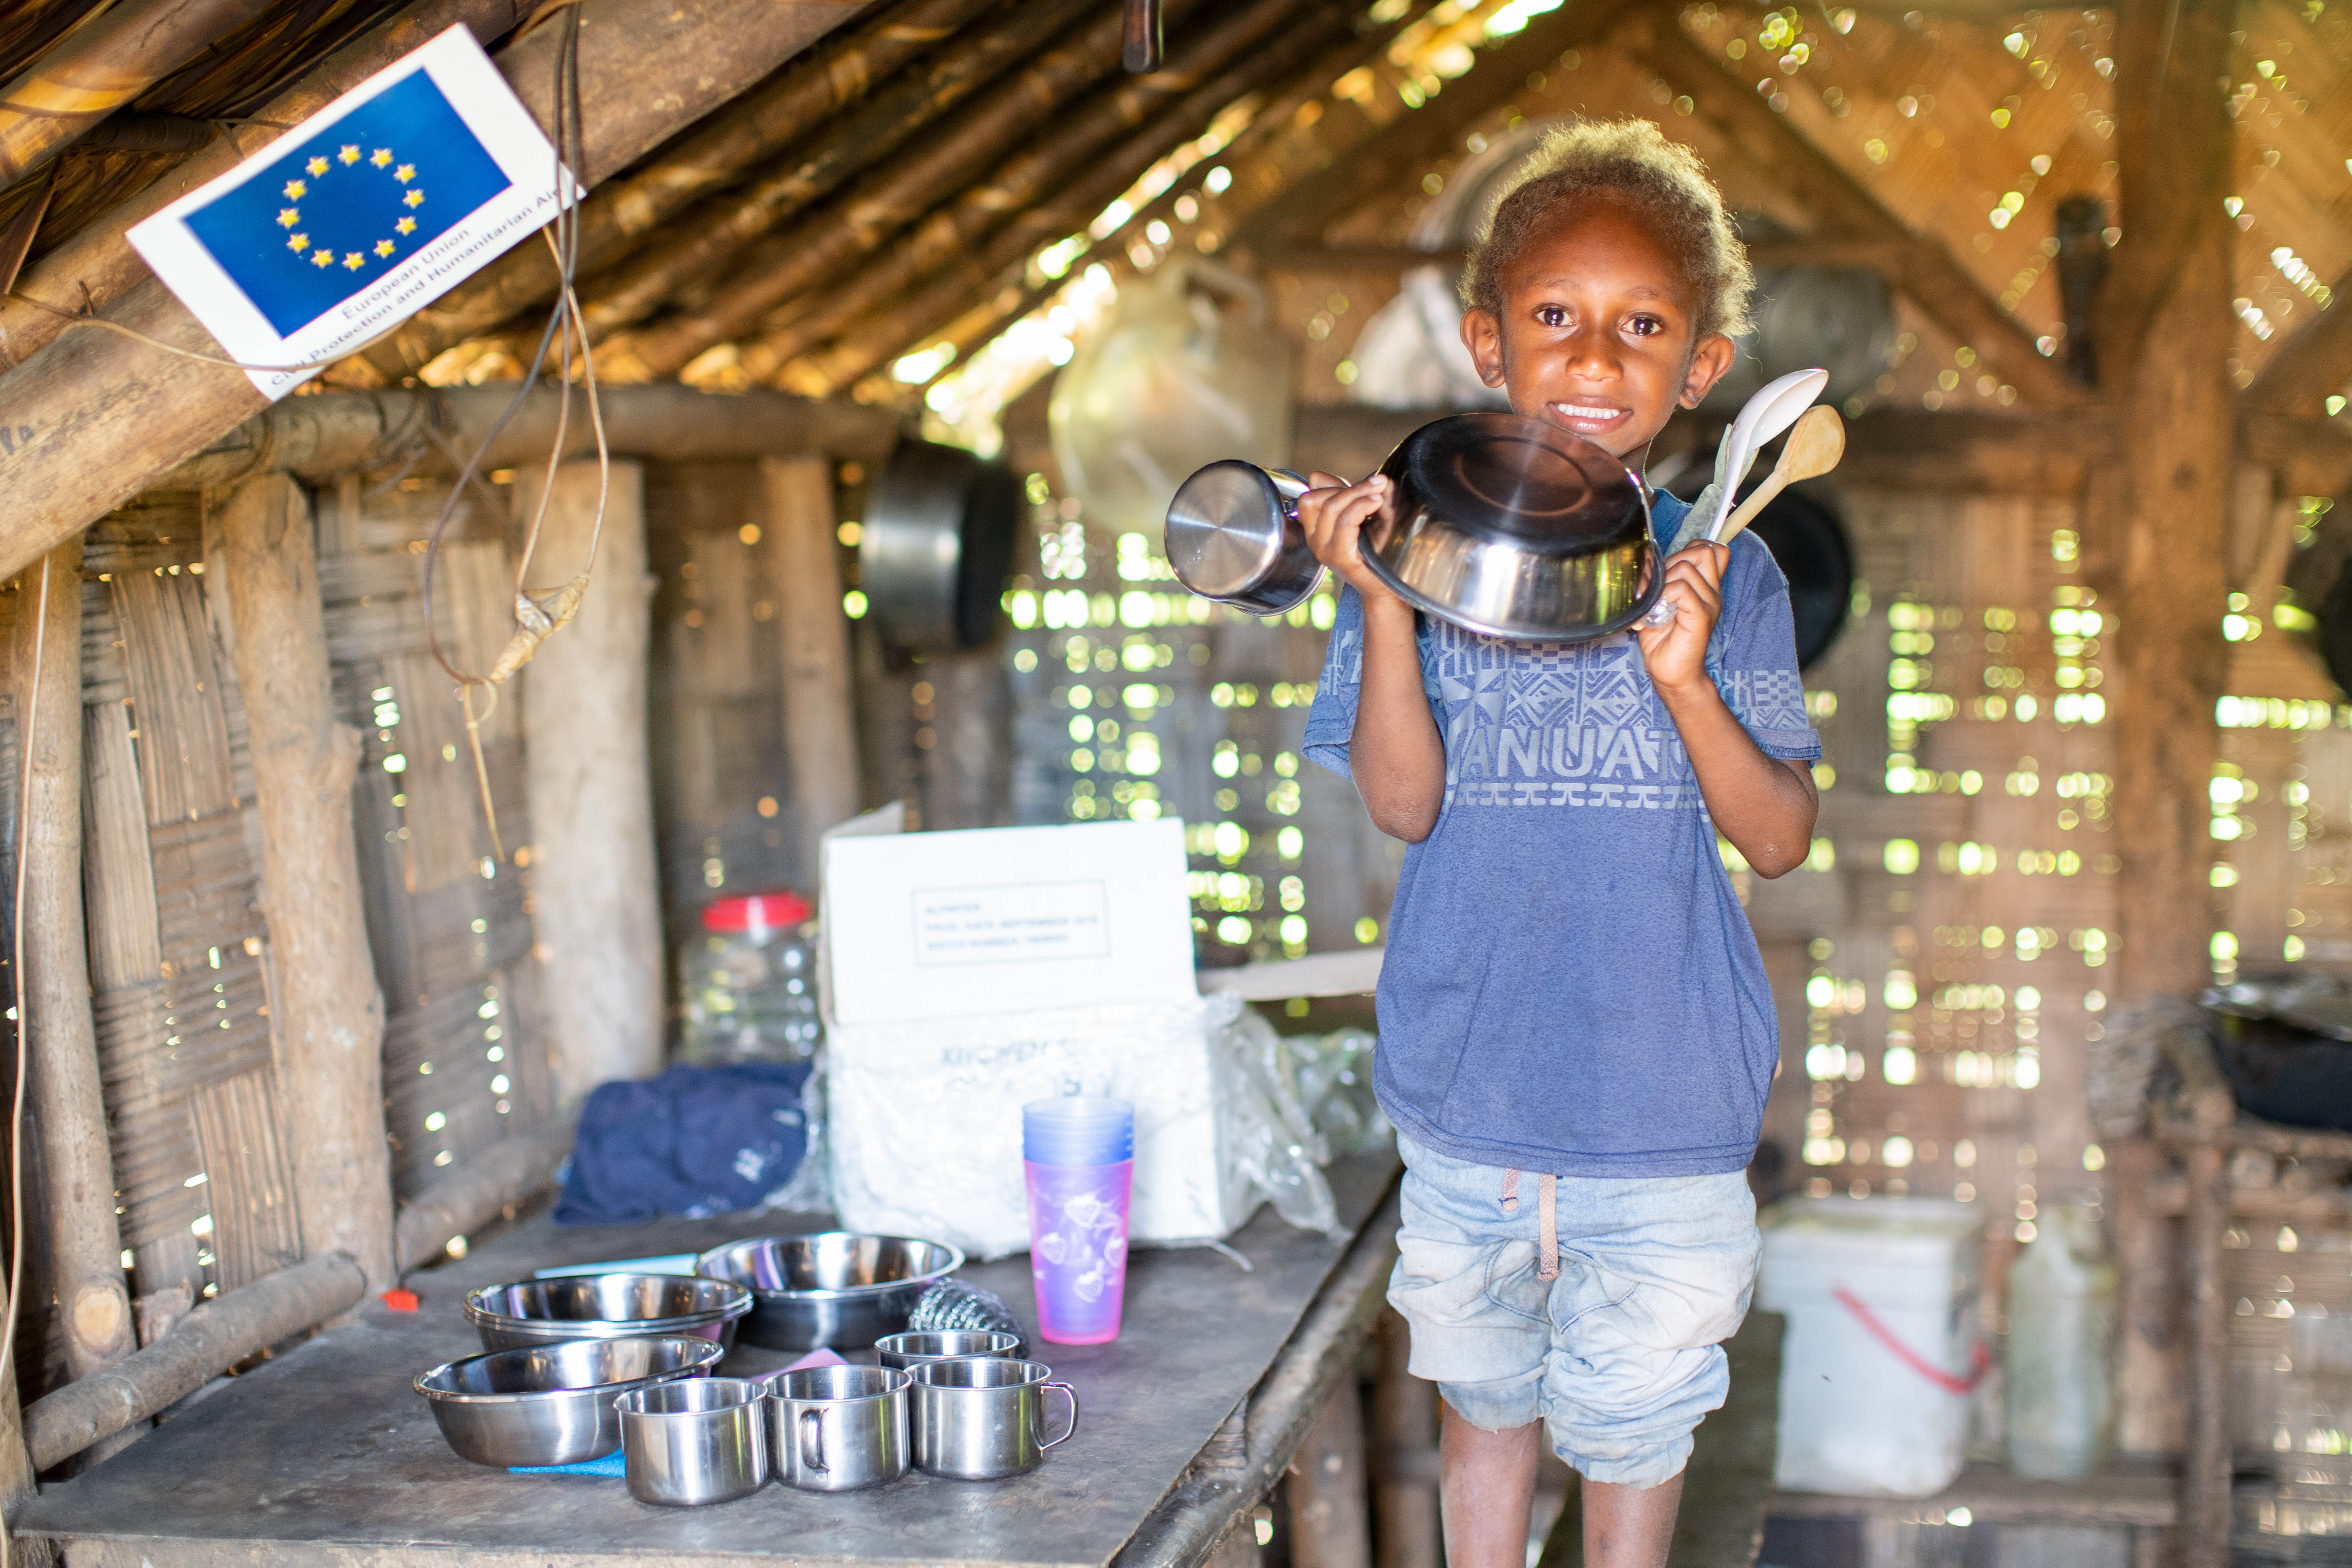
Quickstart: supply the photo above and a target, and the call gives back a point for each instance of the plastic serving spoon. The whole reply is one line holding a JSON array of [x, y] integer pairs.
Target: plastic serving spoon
[[1765, 415], [1815, 444]]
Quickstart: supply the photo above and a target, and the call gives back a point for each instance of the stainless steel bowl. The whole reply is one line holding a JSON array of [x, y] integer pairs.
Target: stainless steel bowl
[[1234, 536], [552, 1404], [831, 1288], [1514, 527], [606, 1307]]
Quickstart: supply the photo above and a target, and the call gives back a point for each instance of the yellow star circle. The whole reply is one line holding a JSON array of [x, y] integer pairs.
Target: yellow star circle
[[290, 217]]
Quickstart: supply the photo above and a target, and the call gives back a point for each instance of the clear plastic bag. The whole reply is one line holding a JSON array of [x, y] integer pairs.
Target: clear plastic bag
[[1184, 371], [809, 1189], [1268, 1135]]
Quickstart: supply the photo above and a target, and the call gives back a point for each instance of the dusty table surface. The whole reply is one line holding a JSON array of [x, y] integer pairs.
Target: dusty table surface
[[326, 1456]]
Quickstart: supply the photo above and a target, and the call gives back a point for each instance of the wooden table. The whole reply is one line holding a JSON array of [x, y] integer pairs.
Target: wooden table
[[325, 1456]]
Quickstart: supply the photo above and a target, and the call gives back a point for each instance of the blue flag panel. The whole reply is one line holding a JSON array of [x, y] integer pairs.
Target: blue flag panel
[[329, 218]]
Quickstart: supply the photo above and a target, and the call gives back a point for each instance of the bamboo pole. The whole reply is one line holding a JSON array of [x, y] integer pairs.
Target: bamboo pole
[[834, 76], [2164, 341], [2312, 363], [429, 430], [1330, 1518], [107, 413], [595, 893], [1011, 189], [96, 267], [820, 714], [326, 1014], [83, 1266], [101, 66], [704, 241], [894, 323], [878, 206], [205, 1343]]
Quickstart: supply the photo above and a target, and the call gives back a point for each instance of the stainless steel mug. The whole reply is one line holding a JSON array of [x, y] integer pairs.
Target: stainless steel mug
[[1233, 535], [837, 1428], [979, 1419], [904, 1351], [703, 1440]]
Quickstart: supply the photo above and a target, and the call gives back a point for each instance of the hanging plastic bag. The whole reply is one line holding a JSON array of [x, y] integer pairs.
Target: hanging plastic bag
[[1184, 370]]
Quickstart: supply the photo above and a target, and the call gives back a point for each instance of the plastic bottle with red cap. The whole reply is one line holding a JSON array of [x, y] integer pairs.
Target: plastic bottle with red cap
[[750, 981]]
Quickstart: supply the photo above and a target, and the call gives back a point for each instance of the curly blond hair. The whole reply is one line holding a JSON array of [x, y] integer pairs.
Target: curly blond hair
[[1632, 159]]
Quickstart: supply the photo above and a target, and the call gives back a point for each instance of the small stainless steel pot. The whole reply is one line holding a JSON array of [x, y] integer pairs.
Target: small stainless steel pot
[[833, 1288], [552, 1404], [606, 1307], [981, 1419], [683, 1444], [1234, 536], [838, 1428], [905, 1351], [1514, 527]]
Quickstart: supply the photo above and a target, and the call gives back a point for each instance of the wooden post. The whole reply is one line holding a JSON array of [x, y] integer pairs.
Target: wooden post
[[595, 895], [2205, 1478], [1330, 1521], [820, 716], [326, 1014], [1404, 1438], [964, 733], [84, 1265]]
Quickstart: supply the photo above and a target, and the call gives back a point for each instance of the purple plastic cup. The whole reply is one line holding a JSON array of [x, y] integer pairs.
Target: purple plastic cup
[[1080, 1166]]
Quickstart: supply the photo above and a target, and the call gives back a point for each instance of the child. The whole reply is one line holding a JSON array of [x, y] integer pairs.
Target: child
[[1571, 990]]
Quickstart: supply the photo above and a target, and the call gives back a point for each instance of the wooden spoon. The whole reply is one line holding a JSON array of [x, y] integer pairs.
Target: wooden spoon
[[1815, 444]]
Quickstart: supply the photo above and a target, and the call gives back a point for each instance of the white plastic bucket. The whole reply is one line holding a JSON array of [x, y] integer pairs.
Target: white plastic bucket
[[1882, 1351]]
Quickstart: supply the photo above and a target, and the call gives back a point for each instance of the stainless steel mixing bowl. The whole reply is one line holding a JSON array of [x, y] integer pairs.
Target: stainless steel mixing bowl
[[606, 1307], [1514, 527], [552, 1404], [831, 1288]]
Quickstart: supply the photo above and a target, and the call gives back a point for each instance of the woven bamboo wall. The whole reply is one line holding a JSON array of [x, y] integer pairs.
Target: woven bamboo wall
[[465, 1053], [721, 777]]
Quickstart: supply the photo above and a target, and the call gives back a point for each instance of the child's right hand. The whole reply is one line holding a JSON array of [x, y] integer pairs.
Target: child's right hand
[[1333, 514]]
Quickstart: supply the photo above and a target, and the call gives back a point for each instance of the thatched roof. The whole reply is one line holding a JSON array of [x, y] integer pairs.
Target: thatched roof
[[932, 171]]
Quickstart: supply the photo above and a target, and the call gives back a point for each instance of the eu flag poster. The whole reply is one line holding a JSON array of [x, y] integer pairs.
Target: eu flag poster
[[359, 217]]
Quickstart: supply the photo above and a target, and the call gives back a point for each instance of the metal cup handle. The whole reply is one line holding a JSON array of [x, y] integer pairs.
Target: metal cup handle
[[1290, 487], [1067, 1393], [811, 1429]]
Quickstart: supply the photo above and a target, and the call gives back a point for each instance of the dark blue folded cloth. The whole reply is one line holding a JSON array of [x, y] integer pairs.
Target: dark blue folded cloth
[[691, 1142]]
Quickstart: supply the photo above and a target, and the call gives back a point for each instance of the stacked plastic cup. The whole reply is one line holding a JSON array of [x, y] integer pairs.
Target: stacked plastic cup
[[1080, 1155]]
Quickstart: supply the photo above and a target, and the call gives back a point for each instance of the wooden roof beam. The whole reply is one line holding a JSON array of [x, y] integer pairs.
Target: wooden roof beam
[[826, 81], [93, 418], [2309, 366], [99, 67], [1096, 142], [970, 302], [1917, 264]]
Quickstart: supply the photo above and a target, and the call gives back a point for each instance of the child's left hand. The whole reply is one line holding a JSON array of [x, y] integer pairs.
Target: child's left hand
[[1676, 653]]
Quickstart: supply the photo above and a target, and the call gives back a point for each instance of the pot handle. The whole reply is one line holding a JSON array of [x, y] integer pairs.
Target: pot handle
[[1290, 487], [811, 1429], [1067, 1393]]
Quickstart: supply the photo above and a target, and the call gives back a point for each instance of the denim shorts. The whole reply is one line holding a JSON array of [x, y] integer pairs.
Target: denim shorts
[[1620, 1356]]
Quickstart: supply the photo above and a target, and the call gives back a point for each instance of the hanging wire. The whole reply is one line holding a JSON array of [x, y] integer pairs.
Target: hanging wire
[[28, 727], [539, 616]]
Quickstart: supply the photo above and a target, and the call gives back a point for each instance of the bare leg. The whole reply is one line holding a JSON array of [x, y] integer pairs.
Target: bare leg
[[1630, 1527], [1487, 1487]]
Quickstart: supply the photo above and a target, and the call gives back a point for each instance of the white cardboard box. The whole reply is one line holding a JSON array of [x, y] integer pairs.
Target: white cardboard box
[[969, 972]]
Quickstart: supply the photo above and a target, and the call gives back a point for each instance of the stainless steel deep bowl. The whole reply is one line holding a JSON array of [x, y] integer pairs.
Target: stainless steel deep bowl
[[1514, 527], [552, 1404], [606, 1307], [833, 1288]]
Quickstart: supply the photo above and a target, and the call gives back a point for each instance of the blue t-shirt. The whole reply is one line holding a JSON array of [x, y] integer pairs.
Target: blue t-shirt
[[1570, 986]]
